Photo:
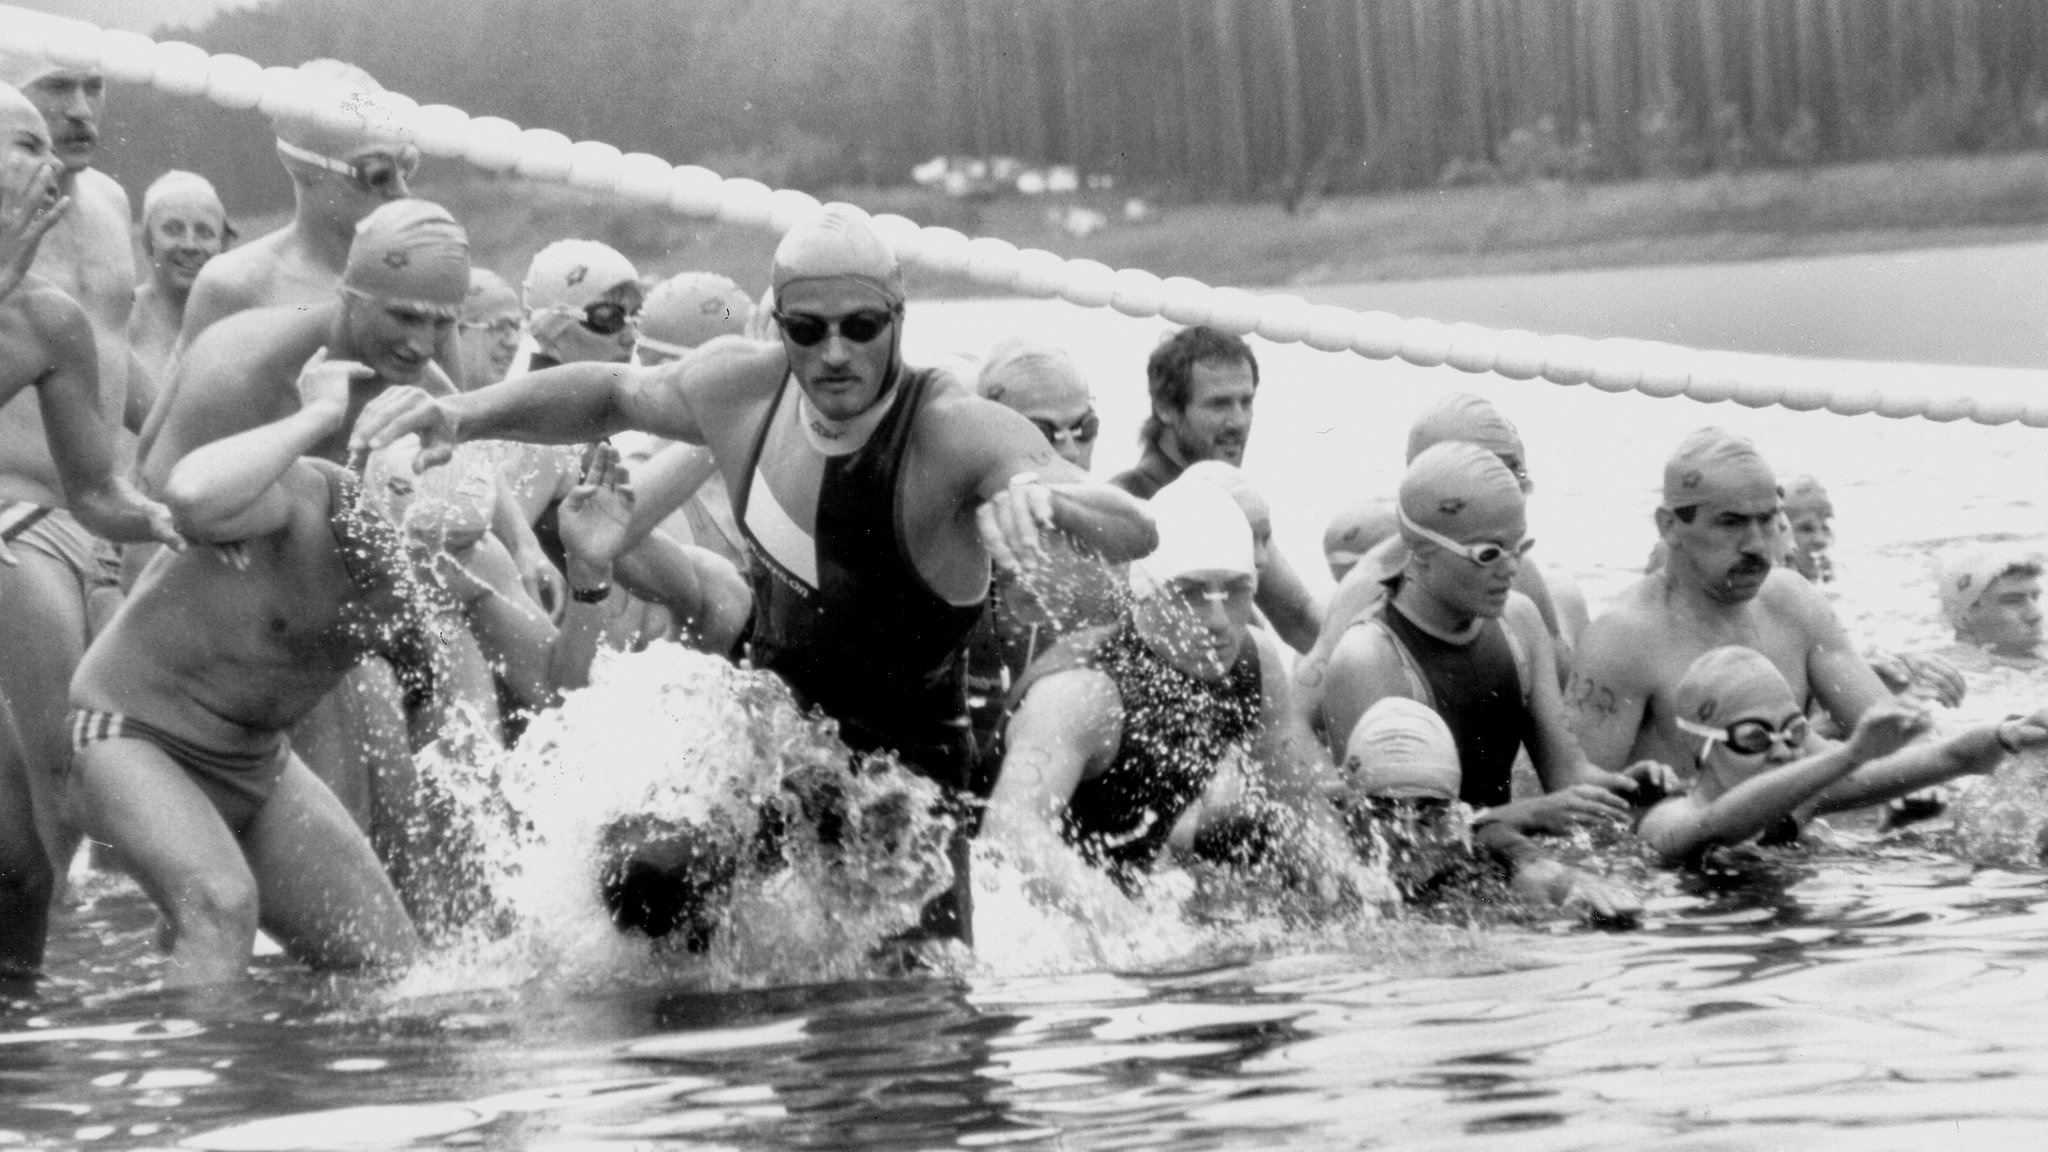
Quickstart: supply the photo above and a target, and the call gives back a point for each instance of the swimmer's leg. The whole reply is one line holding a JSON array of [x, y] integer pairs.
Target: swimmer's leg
[[26, 875], [322, 893], [42, 636], [169, 836]]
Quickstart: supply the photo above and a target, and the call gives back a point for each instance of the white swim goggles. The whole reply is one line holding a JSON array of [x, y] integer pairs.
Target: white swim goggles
[[1484, 552], [1751, 737], [373, 171]]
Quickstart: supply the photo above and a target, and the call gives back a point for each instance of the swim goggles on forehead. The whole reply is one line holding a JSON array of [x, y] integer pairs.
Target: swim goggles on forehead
[[661, 348], [858, 327], [1082, 431], [604, 317], [501, 327], [1484, 552], [1750, 737], [1197, 592], [372, 171]]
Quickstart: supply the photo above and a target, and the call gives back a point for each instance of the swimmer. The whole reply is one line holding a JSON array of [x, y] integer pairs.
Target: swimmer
[[1357, 530], [1202, 382], [88, 254], [61, 499], [1402, 779], [874, 496], [1991, 595], [184, 225], [1042, 383], [581, 298], [396, 302], [341, 170], [1718, 521], [680, 484], [489, 328], [1754, 767], [1811, 517], [1122, 728], [180, 708], [1455, 635], [1458, 417]]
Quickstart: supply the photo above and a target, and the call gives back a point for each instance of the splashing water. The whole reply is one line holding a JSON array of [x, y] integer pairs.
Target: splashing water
[[784, 857]]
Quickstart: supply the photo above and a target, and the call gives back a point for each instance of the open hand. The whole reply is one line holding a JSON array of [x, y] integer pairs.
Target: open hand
[[596, 512], [29, 208], [1561, 811]]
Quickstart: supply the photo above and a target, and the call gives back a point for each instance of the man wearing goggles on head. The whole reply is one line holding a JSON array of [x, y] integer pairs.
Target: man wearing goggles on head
[[341, 170], [874, 496], [1454, 634], [1720, 525]]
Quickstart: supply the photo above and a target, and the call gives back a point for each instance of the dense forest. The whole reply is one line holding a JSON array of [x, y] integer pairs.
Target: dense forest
[[1186, 98]]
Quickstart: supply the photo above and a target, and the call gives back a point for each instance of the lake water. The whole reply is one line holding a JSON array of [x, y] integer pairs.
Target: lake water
[[1868, 995]]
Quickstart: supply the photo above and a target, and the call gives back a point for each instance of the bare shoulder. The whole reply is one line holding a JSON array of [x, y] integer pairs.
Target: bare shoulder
[[1363, 648], [729, 367], [253, 336], [104, 189], [51, 313], [1789, 599], [1083, 702], [1523, 618]]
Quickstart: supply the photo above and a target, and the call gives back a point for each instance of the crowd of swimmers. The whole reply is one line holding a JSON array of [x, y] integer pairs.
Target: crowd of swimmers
[[280, 515]]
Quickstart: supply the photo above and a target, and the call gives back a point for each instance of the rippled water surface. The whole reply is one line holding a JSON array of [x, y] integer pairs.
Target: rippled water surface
[[1870, 993]]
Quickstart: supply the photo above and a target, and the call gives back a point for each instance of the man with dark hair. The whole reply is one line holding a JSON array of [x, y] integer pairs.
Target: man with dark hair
[[1202, 383]]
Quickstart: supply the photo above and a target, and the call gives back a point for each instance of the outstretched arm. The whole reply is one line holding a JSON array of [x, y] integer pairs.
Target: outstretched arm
[[229, 489], [1916, 766], [1064, 730], [1021, 489]]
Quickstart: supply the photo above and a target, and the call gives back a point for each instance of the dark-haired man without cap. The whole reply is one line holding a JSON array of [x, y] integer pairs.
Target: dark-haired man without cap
[[1719, 523], [1202, 383], [873, 496]]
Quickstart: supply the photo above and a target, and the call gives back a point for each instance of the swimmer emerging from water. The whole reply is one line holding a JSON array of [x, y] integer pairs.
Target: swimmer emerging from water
[[1718, 520], [181, 706], [874, 496], [1455, 635], [1121, 729], [1755, 770], [1402, 780]]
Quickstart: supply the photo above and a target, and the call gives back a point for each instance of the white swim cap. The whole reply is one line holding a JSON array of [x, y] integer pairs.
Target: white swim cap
[[179, 188], [1401, 747], [1966, 573], [1201, 530]]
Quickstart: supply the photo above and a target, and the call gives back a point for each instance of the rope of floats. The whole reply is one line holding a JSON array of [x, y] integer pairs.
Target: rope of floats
[[494, 144]]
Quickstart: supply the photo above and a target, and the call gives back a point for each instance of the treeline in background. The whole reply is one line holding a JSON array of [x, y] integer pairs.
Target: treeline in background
[[1183, 99]]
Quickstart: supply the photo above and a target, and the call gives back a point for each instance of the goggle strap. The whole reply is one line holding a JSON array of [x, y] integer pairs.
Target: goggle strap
[[307, 156], [663, 347], [1441, 540]]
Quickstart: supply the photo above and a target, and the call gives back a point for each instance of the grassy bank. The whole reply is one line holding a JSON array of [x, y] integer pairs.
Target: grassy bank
[[1469, 231]]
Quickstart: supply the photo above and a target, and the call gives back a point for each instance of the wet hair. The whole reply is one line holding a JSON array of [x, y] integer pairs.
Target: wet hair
[[1170, 372]]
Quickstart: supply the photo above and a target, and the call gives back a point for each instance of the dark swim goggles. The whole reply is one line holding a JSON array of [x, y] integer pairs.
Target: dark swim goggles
[[1751, 737], [1082, 431], [607, 317], [810, 331]]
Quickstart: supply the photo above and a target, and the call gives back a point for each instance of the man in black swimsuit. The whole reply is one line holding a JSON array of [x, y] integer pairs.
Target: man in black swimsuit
[[1456, 636], [873, 496]]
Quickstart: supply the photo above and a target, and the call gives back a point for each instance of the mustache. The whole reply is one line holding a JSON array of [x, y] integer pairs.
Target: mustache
[[1751, 565]]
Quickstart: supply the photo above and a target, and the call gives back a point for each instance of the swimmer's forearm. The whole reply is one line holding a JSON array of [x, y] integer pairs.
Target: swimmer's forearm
[[582, 630], [1105, 520], [569, 404], [1916, 766], [1764, 799], [216, 483]]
